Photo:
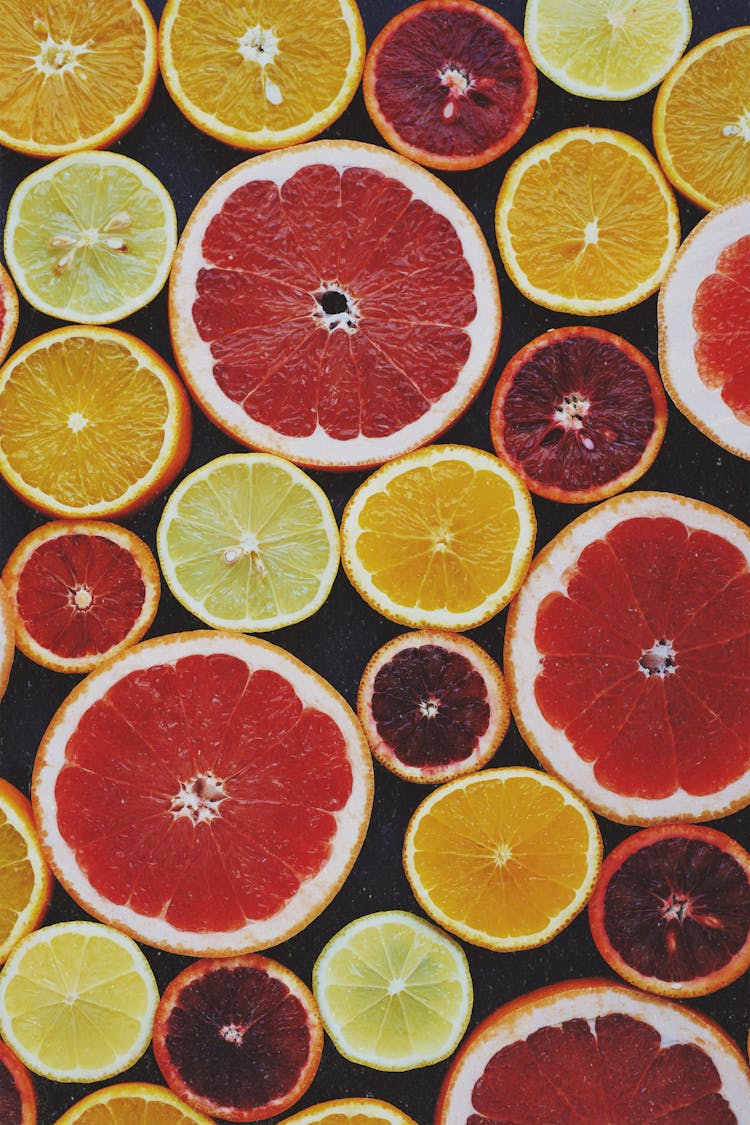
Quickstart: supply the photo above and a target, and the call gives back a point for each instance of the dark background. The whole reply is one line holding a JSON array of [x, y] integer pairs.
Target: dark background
[[338, 641]]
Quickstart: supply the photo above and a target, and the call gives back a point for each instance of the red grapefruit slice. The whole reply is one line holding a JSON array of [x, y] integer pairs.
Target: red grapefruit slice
[[334, 304], [17, 1095], [205, 793], [626, 659]]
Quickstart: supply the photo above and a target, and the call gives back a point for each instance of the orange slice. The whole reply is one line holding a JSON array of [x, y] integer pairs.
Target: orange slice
[[129, 1102], [8, 312], [7, 637], [25, 879], [17, 1094], [350, 1111]]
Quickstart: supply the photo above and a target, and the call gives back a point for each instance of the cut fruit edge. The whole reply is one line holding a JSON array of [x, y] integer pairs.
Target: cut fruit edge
[[7, 637], [144, 1091], [9, 299], [17, 811], [374, 1112]]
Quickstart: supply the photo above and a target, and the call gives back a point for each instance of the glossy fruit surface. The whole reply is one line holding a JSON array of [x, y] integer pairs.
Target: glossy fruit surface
[[25, 879], [132, 1103]]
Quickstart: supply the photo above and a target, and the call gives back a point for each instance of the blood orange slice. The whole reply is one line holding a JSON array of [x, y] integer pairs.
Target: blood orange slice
[[450, 84], [17, 1096], [579, 413], [7, 638], [333, 303], [591, 1051], [8, 312], [626, 658], [236, 782]]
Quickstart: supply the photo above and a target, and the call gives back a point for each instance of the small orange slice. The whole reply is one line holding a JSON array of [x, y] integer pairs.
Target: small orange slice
[[25, 879], [128, 1103], [350, 1111], [8, 312]]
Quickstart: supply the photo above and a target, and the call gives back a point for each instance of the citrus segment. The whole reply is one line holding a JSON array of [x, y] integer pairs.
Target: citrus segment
[[7, 637], [25, 879], [8, 312], [350, 1111], [17, 1095], [132, 1103]]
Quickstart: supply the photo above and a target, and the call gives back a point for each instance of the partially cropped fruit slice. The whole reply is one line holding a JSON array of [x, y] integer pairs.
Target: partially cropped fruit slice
[[7, 637], [25, 878], [350, 1111], [17, 1094], [132, 1103], [450, 84], [8, 312], [238, 1038]]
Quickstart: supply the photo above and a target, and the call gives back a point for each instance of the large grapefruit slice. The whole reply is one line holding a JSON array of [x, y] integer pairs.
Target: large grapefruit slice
[[204, 792], [626, 657], [333, 303]]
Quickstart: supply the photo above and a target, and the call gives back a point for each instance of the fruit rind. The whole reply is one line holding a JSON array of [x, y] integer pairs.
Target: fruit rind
[[17, 811], [9, 299], [375, 1111], [149, 1093], [7, 637]]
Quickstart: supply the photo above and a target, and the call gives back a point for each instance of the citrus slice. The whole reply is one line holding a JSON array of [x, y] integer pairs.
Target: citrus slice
[[350, 1111], [579, 413], [25, 879], [608, 49], [450, 84], [82, 590], [613, 1053], [90, 237], [504, 859], [334, 303], [671, 910], [394, 992], [249, 542], [238, 1038], [237, 782], [441, 537], [73, 76], [129, 1103], [98, 995], [262, 77], [702, 120], [92, 423], [17, 1095], [8, 312], [704, 333], [608, 220], [626, 659], [7, 637], [433, 706]]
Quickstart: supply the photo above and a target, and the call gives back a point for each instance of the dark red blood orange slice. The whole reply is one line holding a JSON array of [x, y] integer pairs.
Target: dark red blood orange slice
[[333, 303], [17, 1096], [204, 792], [433, 706], [590, 1051], [626, 658], [8, 312], [450, 84], [671, 910], [579, 413], [82, 590], [238, 1038]]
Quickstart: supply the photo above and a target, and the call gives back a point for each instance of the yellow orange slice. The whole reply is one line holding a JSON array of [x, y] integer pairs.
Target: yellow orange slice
[[25, 879]]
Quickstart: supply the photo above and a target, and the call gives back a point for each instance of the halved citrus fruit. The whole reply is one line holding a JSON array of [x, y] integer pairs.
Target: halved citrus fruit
[[98, 995], [704, 327], [8, 312], [93, 423], [25, 878], [261, 77], [234, 779], [579, 413], [608, 49], [132, 1103], [17, 1094], [73, 76], [590, 1050], [433, 706], [395, 993], [702, 120], [450, 84], [238, 1038], [249, 542], [439, 538], [7, 637], [350, 1111], [671, 910], [504, 859], [626, 658], [82, 590], [608, 220], [334, 303]]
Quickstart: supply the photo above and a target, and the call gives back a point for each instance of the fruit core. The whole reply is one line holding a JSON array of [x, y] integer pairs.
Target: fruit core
[[57, 58], [739, 128], [108, 236], [461, 84], [659, 660], [260, 45], [199, 798], [335, 309]]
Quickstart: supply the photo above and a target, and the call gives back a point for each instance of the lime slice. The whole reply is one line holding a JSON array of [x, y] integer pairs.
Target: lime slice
[[249, 542], [394, 992], [90, 237]]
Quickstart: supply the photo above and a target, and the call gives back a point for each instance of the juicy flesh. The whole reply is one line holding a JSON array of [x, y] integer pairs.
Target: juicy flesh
[[16, 881], [721, 319]]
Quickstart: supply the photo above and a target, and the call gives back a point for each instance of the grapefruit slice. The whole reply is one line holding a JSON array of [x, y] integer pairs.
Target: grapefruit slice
[[253, 786], [626, 658], [588, 1050], [7, 637], [333, 303], [8, 312], [17, 1094]]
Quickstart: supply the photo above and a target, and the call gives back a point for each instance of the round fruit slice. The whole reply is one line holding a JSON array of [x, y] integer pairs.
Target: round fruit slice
[[702, 120], [608, 49], [588, 1050], [439, 538], [8, 312], [450, 84], [579, 413], [350, 1111], [334, 304], [671, 910], [394, 992], [249, 542], [131, 1102], [25, 879], [258, 85], [238, 1038], [74, 76], [235, 780], [92, 423], [433, 706], [608, 220], [626, 658], [90, 237], [82, 590], [17, 1095], [97, 992], [704, 327], [7, 637], [504, 859]]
